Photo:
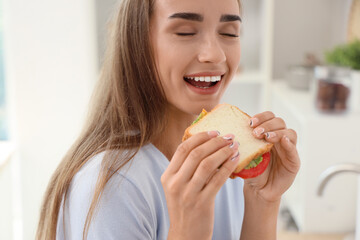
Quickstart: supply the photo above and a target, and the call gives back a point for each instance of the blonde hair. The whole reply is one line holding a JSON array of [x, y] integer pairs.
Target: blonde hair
[[127, 112]]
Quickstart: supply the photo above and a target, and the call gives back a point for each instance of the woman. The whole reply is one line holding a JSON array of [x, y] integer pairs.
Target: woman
[[128, 176]]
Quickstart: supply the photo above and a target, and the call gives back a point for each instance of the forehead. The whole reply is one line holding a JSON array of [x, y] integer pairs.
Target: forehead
[[167, 7]]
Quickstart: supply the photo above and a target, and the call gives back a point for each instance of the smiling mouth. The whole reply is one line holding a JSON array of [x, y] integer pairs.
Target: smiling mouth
[[203, 82]]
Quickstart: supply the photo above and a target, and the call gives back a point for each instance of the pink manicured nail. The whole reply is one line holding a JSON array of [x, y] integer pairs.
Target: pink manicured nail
[[214, 133], [270, 135], [258, 131], [229, 137], [253, 121], [234, 144], [235, 156]]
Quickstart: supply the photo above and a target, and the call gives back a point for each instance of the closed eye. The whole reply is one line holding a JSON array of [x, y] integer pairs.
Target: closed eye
[[185, 34], [229, 35]]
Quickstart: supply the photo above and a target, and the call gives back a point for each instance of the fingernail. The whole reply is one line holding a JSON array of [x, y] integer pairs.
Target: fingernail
[[214, 133], [234, 157], [287, 139], [232, 145], [253, 121], [258, 131], [270, 135], [229, 137]]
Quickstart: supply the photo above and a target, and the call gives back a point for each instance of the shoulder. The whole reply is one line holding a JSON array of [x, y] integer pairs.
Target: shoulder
[[142, 172], [129, 199], [147, 163]]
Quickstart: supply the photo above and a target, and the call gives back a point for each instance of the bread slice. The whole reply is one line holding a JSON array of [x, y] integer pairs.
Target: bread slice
[[226, 119]]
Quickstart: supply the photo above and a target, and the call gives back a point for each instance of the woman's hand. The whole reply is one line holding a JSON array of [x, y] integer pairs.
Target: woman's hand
[[199, 168], [285, 161]]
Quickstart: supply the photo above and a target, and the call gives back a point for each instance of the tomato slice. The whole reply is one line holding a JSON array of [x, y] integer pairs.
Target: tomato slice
[[256, 171]]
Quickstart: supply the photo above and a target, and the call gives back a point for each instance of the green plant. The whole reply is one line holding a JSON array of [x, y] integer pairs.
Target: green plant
[[347, 55]]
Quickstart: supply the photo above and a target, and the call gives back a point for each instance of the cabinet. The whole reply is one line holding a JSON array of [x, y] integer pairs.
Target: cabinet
[[323, 140]]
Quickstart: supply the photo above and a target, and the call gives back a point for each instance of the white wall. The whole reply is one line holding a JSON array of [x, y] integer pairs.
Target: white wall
[[251, 37], [51, 66], [104, 11], [6, 200], [306, 26]]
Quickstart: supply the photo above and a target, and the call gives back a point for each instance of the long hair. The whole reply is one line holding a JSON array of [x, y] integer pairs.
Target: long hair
[[128, 108], [127, 111]]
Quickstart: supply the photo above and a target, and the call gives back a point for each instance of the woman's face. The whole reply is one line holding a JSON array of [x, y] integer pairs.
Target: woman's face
[[197, 50]]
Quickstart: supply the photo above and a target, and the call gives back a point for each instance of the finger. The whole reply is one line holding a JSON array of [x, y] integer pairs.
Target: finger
[[292, 156], [260, 118], [205, 150], [186, 147], [221, 176], [269, 126], [209, 166], [276, 136]]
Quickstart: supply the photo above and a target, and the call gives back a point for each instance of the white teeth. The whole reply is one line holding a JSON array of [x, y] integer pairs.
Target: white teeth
[[215, 78], [206, 78]]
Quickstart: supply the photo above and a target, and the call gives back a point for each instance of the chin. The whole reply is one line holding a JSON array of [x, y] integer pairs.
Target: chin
[[192, 107], [209, 106], [196, 109]]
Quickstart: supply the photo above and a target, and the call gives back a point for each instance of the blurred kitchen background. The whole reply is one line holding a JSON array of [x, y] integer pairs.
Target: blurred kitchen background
[[51, 53]]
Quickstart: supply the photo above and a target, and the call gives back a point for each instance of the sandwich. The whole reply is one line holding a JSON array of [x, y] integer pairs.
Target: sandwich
[[225, 118]]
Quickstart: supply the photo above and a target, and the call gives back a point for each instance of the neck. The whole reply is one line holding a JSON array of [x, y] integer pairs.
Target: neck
[[168, 141]]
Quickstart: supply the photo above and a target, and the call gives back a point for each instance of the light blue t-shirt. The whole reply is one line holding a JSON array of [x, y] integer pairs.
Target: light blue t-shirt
[[133, 204]]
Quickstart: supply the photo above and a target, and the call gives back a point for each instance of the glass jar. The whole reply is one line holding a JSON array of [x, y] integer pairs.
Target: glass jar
[[332, 88]]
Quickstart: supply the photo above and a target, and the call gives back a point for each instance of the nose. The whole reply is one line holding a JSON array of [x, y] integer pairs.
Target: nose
[[211, 51]]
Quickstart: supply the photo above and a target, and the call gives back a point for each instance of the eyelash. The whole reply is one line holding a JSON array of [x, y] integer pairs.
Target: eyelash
[[230, 35], [192, 34], [185, 34]]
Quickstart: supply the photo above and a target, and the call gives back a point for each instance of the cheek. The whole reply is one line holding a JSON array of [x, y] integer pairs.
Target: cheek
[[173, 58], [173, 52], [163, 57], [233, 56], [164, 52]]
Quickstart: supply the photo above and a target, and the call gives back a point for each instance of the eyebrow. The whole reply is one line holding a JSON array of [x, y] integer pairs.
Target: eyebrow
[[199, 18], [188, 16], [230, 18]]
